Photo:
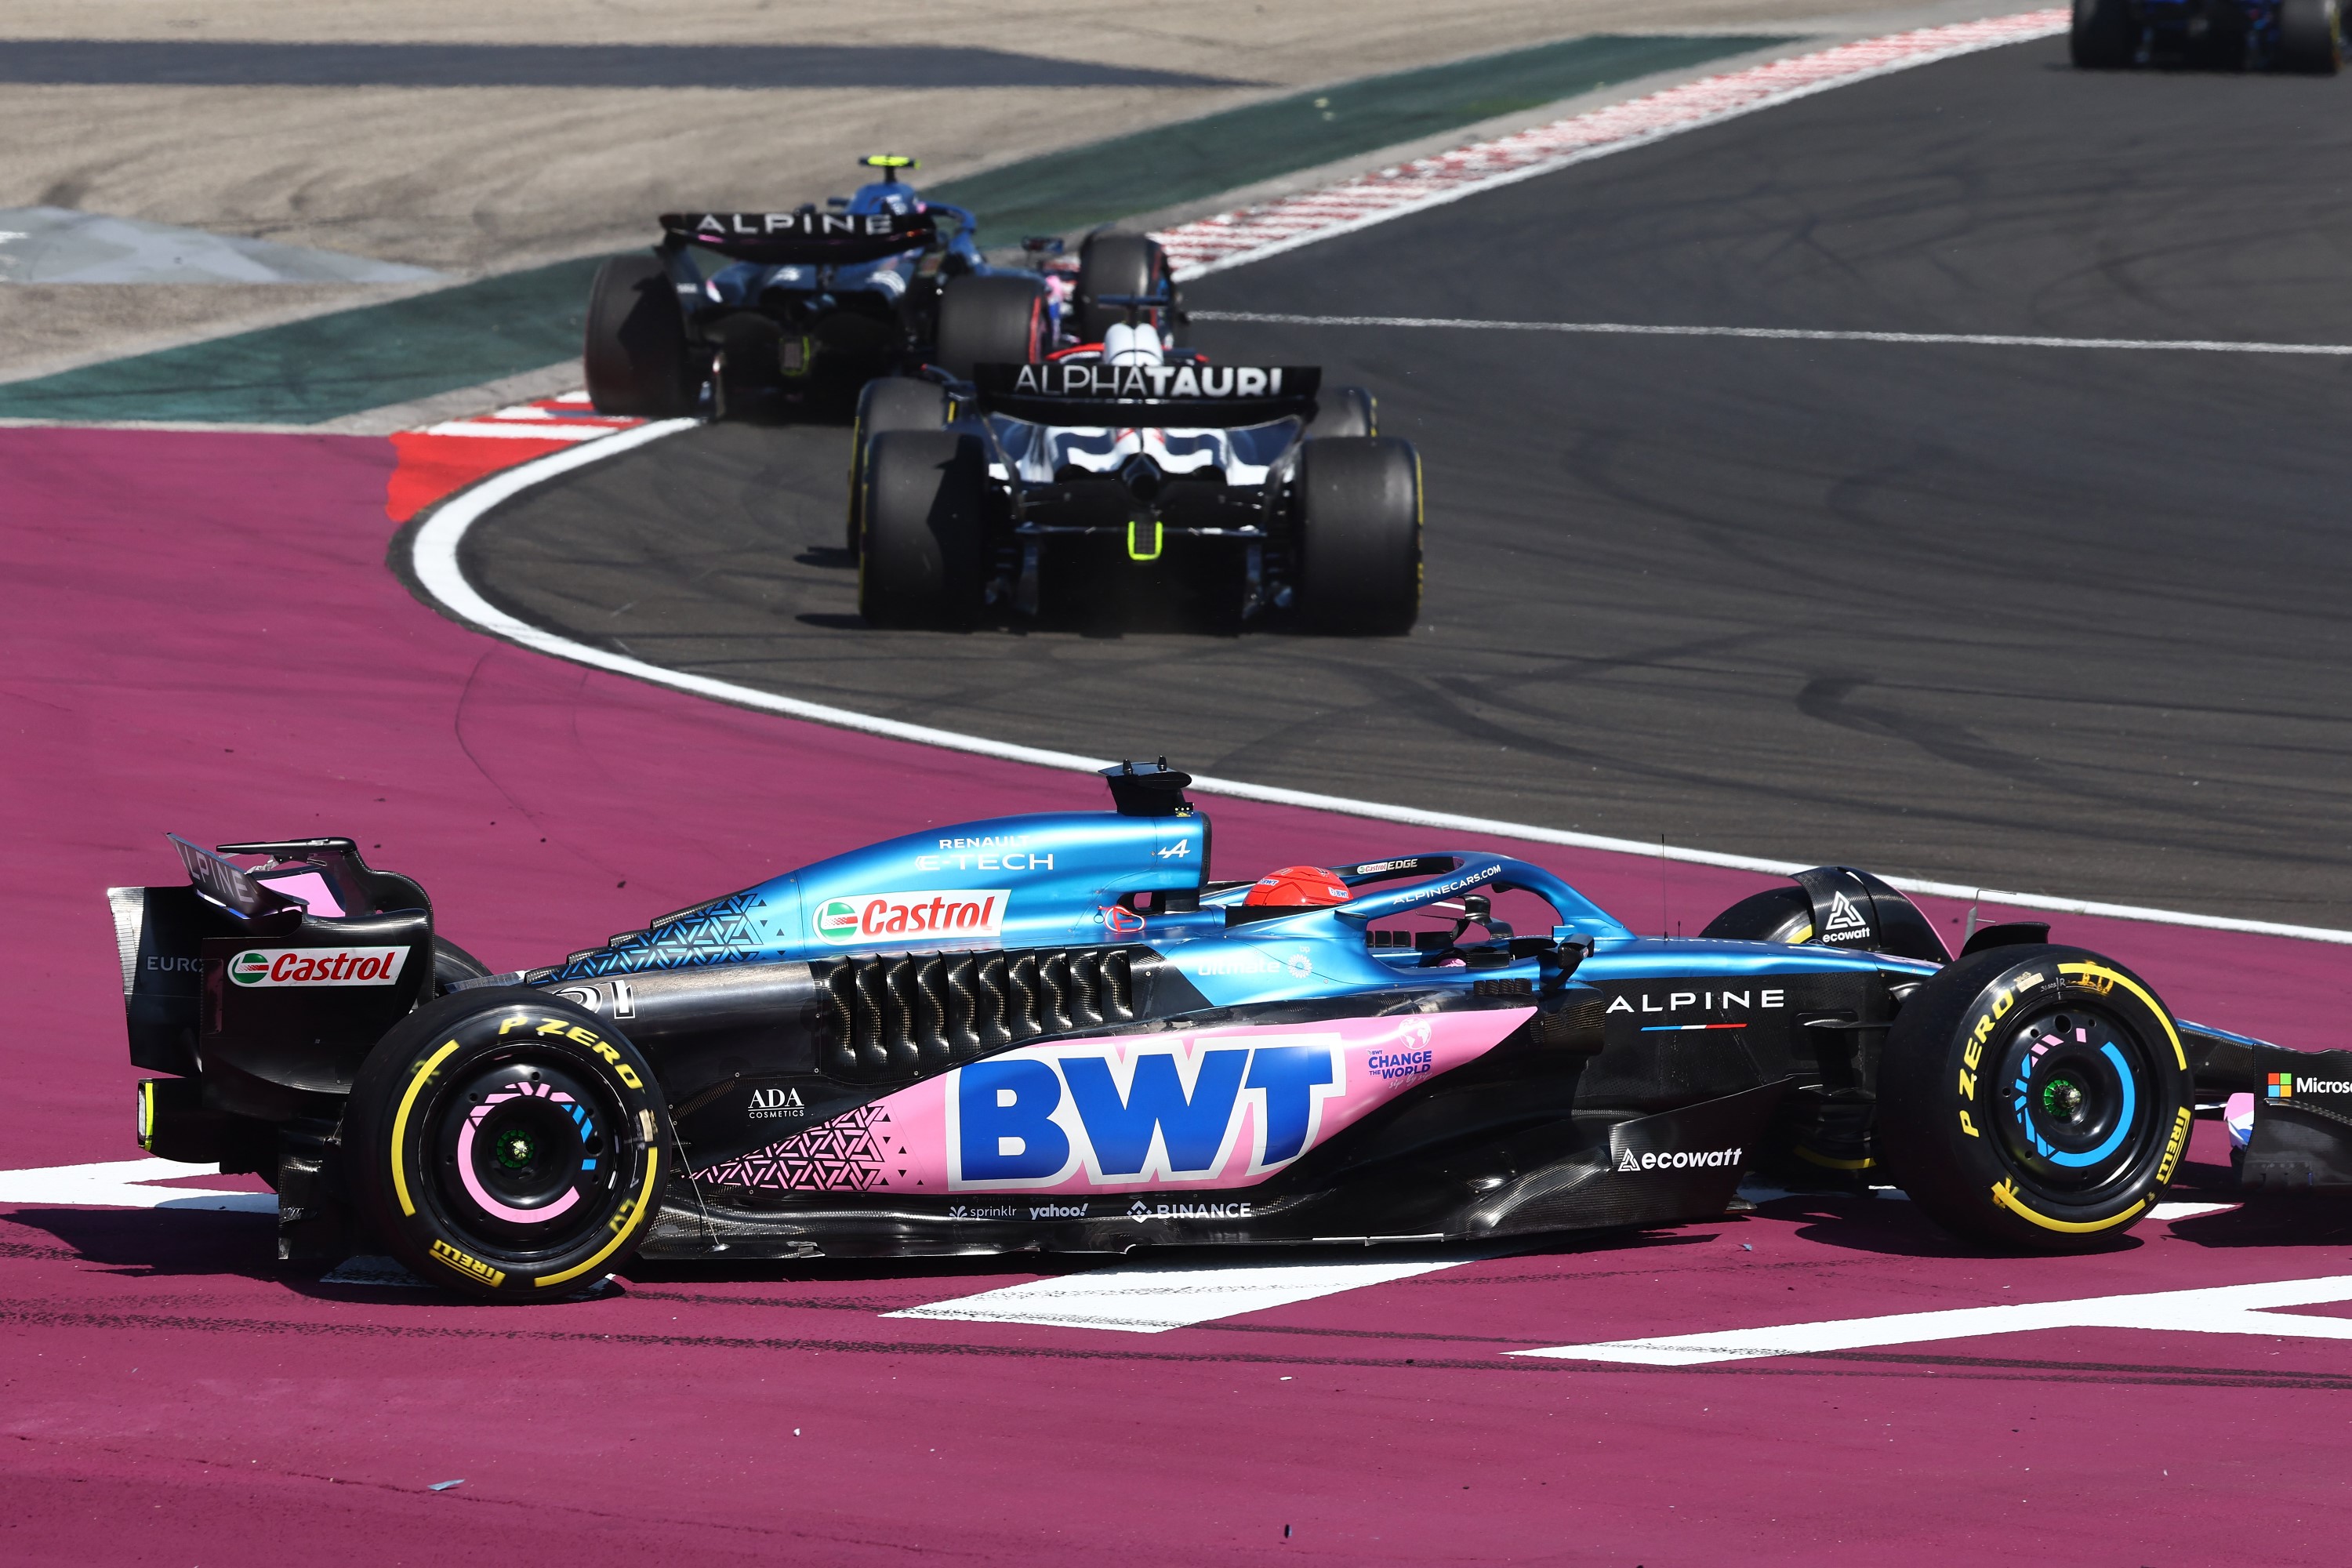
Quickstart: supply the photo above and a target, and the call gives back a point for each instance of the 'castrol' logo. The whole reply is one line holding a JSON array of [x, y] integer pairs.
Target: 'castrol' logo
[[863, 919], [318, 966]]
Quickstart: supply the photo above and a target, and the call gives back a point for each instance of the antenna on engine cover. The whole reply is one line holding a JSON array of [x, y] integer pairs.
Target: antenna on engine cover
[[1149, 789]]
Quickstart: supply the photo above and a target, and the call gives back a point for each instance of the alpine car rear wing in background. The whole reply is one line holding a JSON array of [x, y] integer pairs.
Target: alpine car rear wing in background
[[805, 238], [1161, 396]]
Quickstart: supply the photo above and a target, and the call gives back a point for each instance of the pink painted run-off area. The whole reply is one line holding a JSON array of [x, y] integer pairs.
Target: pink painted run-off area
[[201, 634]]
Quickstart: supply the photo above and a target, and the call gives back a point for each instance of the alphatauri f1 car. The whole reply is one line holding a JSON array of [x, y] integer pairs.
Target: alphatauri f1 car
[[2229, 35], [1132, 469], [812, 301], [1054, 1032]]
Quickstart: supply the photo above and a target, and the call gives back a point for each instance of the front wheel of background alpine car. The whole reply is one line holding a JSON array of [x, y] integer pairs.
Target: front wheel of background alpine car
[[2311, 36], [1358, 520], [1116, 264], [1342, 411], [2103, 37], [507, 1144], [636, 357], [991, 318], [925, 529], [888, 402], [2035, 1099]]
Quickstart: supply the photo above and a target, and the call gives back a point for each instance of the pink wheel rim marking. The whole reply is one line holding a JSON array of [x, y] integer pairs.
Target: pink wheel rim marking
[[490, 1204]]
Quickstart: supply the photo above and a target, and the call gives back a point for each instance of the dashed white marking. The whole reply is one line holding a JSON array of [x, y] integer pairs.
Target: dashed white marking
[[1152, 1298], [2221, 1310], [1798, 334], [519, 430], [122, 1185]]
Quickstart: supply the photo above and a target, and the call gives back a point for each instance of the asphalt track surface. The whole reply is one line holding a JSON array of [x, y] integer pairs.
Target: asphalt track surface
[[201, 635], [2059, 620]]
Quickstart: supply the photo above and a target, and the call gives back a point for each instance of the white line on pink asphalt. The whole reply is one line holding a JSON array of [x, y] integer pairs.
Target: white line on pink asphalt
[[1235, 238], [1152, 1298]]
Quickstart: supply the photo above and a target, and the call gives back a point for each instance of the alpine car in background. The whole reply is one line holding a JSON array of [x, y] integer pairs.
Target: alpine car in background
[[1055, 1032], [2229, 35], [1133, 467], [813, 300]]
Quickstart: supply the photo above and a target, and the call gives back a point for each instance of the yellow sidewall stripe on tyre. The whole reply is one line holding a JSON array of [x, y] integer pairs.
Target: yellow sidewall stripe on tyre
[[2005, 1195], [2154, 1007], [400, 1124], [644, 1207]]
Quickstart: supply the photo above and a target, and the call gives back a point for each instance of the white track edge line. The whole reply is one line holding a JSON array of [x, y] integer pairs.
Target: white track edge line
[[1802, 335], [433, 557], [1586, 154]]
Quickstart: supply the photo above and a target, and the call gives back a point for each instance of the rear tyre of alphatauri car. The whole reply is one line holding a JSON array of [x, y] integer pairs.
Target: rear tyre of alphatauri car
[[636, 357], [1359, 521], [926, 529], [2103, 37], [2311, 35], [990, 318], [506, 1143], [2035, 1099], [887, 403]]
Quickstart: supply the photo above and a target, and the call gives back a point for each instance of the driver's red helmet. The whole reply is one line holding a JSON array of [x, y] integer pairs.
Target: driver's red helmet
[[1298, 887]]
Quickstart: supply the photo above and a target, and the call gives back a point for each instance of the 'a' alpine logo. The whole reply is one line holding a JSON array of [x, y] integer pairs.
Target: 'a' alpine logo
[[1843, 916], [1630, 1163]]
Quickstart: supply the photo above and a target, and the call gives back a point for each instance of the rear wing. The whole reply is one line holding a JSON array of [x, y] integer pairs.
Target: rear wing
[[806, 238], [1159, 396], [286, 974]]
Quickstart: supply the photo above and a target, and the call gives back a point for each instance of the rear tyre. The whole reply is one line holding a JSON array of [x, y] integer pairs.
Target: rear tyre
[[1359, 536], [507, 1144], [1127, 264], [888, 402], [1343, 411], [990, 318], [452, 963], [2103, 35], [636, 357], [2311, 36], [925, 530], [2035, 1099]]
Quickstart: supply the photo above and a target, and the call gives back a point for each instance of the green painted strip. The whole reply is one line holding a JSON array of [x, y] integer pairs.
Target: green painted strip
[[1195, 158], [307, 372]]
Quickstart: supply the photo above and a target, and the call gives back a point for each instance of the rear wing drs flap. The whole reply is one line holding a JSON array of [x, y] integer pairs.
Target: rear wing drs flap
[[806, 238], [1161, 396]]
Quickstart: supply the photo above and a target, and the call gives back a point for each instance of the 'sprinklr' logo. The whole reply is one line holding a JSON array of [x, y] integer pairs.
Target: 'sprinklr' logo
[[318, 966], [857, 919]]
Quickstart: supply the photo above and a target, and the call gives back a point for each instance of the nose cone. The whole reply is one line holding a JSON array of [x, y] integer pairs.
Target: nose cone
[[1124, 344]]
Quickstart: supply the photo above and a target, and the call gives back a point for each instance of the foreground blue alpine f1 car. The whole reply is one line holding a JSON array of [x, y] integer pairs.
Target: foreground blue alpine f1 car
[[1055, 1032], [2305, 36]]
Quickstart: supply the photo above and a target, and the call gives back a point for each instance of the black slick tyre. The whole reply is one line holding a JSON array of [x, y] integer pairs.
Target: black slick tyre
[[885, 404], [2311, 36], [506, 1143], [2035, 1099], [2103, 35], [636, 357], [925, 535], [1343, 411], [990, 318], [1358, 535], [452, 963], [1776, 914], [1118, 264]]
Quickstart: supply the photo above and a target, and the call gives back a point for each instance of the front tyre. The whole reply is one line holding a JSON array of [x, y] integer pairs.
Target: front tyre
[[508, 1144], [2103, 35], [2311, 36], [2035, 1099]]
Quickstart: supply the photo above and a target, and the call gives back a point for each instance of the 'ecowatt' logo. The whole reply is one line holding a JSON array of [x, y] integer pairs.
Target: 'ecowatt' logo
[[1630, 1163], [318, 966], [865, 918]]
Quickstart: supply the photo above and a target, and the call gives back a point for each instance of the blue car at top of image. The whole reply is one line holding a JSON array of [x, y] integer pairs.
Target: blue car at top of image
[[2303, 35], [1056, 1032]]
